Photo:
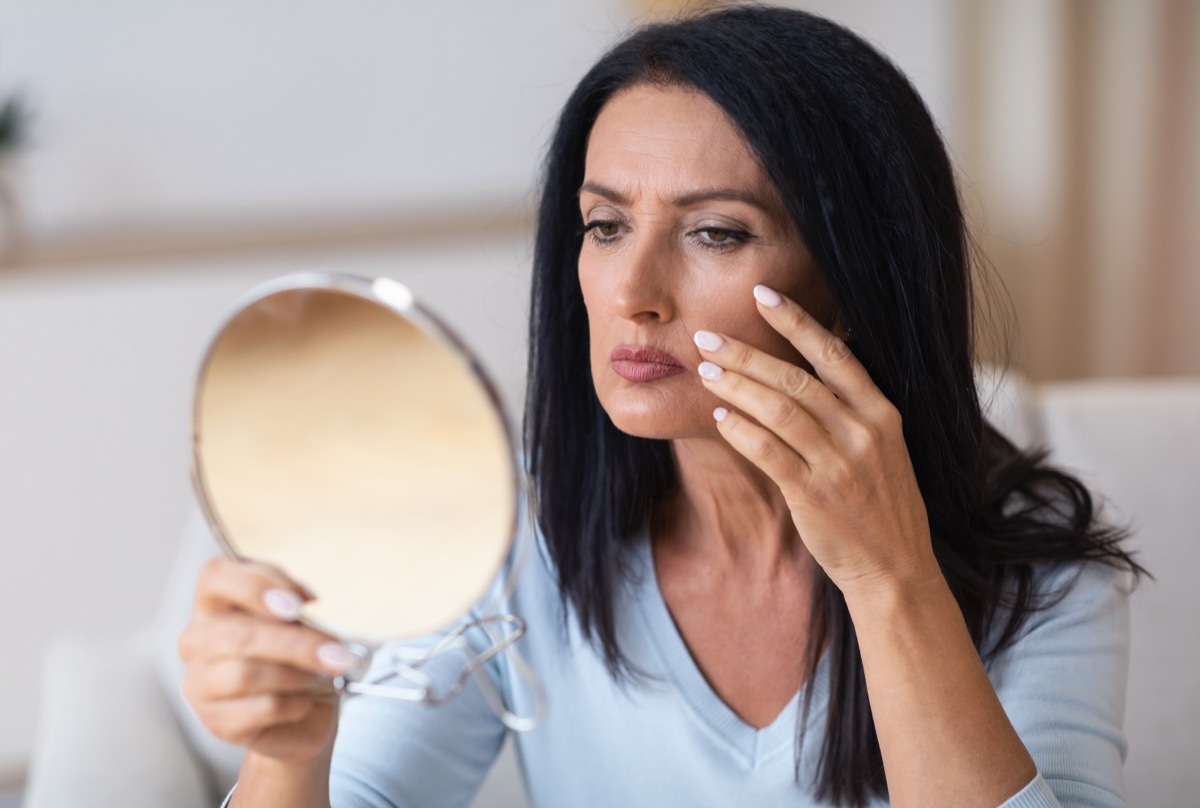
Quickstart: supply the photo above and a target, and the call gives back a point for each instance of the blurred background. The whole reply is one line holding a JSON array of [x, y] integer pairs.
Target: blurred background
[[159, 159]]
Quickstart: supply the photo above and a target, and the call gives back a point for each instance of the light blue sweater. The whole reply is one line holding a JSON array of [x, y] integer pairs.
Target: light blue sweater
[[668, 740]]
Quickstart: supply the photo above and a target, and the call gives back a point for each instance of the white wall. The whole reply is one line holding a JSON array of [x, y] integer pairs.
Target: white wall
[[174, 110], [192, 112]]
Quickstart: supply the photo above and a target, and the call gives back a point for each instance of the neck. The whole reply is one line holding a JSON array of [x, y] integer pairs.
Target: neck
[[727, 512]]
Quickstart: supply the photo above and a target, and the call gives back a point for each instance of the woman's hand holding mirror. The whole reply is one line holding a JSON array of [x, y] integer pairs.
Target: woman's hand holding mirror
[[254, 675]]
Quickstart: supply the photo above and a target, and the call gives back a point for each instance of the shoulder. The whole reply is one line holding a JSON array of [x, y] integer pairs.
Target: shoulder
[[1063, 679], [1081, 597], [1076, 606]]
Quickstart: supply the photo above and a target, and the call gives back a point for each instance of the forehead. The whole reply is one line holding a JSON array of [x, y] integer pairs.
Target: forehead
[[674, 138]]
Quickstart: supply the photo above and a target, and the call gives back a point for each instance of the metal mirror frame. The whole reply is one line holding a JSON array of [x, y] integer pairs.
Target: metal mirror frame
[[502, 630]]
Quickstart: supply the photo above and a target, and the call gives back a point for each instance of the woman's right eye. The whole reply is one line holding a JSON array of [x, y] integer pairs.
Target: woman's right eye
[[602, 231]]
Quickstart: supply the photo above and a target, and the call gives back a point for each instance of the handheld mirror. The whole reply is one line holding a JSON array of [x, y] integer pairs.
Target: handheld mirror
[[344, 435]]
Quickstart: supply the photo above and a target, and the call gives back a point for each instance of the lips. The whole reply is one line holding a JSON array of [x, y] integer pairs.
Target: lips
[[641, 364]]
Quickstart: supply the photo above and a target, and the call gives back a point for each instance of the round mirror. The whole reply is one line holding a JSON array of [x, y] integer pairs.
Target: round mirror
[[344, 435]]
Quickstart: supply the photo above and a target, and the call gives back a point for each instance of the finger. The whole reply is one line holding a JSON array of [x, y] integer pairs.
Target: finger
[[239, 636], [763, 448], [794, 382], [780, 414], [829, 355], [230, 678], [260, 589]]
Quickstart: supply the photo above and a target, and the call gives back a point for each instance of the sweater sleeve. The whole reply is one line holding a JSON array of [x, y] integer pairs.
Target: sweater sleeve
[[1062, 684]]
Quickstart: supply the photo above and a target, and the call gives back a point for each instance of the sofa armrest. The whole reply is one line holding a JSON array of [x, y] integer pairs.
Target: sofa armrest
[[107, 734], [1008, 404], [1136, 444]]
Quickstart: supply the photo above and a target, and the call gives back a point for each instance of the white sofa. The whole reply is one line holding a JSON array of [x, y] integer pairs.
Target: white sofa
[[114, 730]]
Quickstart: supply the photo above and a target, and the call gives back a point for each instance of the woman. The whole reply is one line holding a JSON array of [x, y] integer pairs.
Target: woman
[[786, 560]]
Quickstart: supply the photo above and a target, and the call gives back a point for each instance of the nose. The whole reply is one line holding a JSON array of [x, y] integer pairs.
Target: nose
[[643, 291]]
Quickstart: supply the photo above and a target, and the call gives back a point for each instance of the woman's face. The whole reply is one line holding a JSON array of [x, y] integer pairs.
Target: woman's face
[[682, 223]]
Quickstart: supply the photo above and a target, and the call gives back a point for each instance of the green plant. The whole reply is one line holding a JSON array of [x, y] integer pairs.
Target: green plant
[[14, 123]]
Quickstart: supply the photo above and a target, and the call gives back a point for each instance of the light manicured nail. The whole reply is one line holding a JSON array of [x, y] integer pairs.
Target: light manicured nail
[[710, 371], [283, 604], [708, 341], [767, 296], [719, 413], [335, 657]]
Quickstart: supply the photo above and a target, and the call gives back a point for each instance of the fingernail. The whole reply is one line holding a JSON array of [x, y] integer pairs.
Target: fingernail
[[719, 413], [335, 657], [708, 341], [710, 371], [767, 296], [283, 604]]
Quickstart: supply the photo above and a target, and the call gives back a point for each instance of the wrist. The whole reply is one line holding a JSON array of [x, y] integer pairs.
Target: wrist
[[296, 780], [900, 590], [288, 765]]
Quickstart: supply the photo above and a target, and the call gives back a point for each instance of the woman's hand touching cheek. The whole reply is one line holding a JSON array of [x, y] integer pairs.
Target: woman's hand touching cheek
[[833, 445]]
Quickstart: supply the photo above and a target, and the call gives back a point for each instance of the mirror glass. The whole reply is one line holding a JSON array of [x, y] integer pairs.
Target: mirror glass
[[341, 433]]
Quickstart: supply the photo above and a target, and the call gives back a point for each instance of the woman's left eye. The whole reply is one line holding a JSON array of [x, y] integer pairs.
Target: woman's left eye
[[719, 237]]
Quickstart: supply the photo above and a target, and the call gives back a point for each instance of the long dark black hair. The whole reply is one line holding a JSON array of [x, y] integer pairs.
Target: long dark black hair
[[862, 170]]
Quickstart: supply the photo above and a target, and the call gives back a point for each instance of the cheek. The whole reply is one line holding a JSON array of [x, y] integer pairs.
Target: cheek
[[766, 339], [592, 277], [594, 297], [730, 309]]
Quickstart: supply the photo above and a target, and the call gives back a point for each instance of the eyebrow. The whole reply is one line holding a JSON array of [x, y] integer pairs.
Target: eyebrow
[[688, 199]]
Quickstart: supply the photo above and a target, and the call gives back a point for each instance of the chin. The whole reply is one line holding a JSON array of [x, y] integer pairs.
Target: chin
[[646, 428], [660, 420]]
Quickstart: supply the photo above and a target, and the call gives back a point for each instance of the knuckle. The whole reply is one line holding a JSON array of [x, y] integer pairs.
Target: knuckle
[[862, 440], [213, 584], [190, 690], [241, 635], [780, 411], [212, 721], [187, 645], [795, 381], [890, 418], [212, 570], [236, 679], [833, 350], [283, 707], [238, 734], [267, 707], [753, 441], [236, 729], [234, 736], [761, 446]]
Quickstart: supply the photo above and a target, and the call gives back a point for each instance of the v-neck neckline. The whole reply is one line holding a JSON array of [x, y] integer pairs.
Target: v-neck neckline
[[754, 745]]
